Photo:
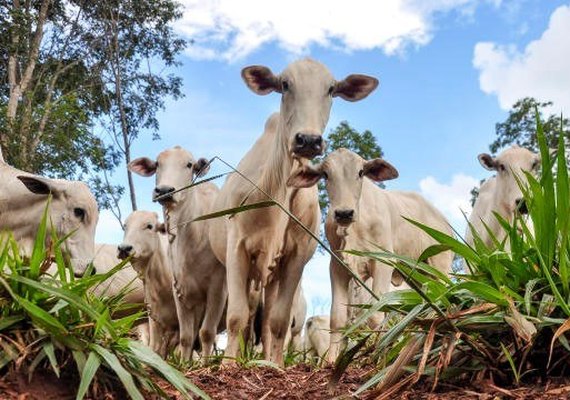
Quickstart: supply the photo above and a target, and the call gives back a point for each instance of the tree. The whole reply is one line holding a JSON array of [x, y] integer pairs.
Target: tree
[[72, 71], [520, 126], [48, 95], [363, 144], [137, 37]]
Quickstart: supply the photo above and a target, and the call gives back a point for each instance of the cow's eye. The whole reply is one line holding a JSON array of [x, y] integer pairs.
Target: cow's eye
[[284, 86], [361, 173], [149, 226], [502, 167], [79, 213], [325, 176], [189, 165]]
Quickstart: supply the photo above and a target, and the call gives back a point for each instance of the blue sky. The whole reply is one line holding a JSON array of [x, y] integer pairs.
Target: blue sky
[[448, 69]]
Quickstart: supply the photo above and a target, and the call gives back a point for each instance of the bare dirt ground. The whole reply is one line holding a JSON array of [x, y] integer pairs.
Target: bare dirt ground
[[300, 382]]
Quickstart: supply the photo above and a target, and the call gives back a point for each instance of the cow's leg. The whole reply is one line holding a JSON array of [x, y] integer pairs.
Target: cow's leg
[[289, 277], [339, 309], [155, 337], [187, 323], [381, 280], [215, 302], [270, 295], [237, 269]]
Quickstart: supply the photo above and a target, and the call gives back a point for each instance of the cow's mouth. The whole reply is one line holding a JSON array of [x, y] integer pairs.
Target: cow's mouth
[[123, 254], [308, 146]]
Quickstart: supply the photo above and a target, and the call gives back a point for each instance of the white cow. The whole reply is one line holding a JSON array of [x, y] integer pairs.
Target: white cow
[[501, 193], [146, 242], [362, 216], [317, 335], [199, 279], [264, 247], [23, 199]]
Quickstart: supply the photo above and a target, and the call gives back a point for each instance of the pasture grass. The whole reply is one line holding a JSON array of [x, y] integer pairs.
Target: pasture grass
[[55, 322], [503, 318]]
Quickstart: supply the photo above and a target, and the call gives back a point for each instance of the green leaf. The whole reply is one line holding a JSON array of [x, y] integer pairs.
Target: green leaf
[[115, 364], [482, 291], [90, 369], [177, 379], [7, 322], [50, 352], [235, 210]]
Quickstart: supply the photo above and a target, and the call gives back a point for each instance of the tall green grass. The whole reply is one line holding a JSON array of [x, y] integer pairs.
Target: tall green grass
[[503, 318], [55, 322]]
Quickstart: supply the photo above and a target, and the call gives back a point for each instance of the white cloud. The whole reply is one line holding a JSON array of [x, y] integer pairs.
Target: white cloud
[[540, 70], [229, 29], [452, 199]]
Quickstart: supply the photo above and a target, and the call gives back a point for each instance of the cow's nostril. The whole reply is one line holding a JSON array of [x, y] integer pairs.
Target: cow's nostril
[[124, 250], [344, 215], [319, 141], [300, 139]]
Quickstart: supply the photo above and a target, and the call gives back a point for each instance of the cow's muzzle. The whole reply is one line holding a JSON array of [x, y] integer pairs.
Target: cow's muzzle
[[124, 251], [344, 216], [308, 146], [163, 194]]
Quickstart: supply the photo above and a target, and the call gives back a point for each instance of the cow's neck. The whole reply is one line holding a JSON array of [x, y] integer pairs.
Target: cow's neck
[[279, 165], [178, 216], [157, 271]]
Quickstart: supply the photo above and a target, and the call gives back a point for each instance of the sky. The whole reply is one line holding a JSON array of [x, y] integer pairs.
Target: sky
[[448, 70]]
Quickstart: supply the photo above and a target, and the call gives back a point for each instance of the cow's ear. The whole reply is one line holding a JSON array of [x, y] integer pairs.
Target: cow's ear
[[161, 227], [261, 80], [142, 166], [305, 177], [487, 161], [39, 185], [379, 170], [201, 167], [355, 87]]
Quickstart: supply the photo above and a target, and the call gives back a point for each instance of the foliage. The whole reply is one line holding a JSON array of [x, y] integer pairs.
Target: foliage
[[520, 126], [80, 80], [55, 322], [504, 318]]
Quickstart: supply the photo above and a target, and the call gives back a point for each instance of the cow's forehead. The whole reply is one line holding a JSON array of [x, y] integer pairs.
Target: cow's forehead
[[342, 158], [517, 155], [139, 215], [81, 192], [176, 153], [307, 69]]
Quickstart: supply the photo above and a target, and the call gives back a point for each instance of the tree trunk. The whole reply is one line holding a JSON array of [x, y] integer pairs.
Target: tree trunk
[[122, 114], [18, 88]]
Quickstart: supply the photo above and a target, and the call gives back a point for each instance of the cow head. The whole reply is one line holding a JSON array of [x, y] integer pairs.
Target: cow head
[[344, 172], [307, 89], [142, 237], [174, 169], [510, 166], [74, 211]]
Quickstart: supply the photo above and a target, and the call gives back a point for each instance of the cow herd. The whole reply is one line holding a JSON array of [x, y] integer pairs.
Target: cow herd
[[243, 271]]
